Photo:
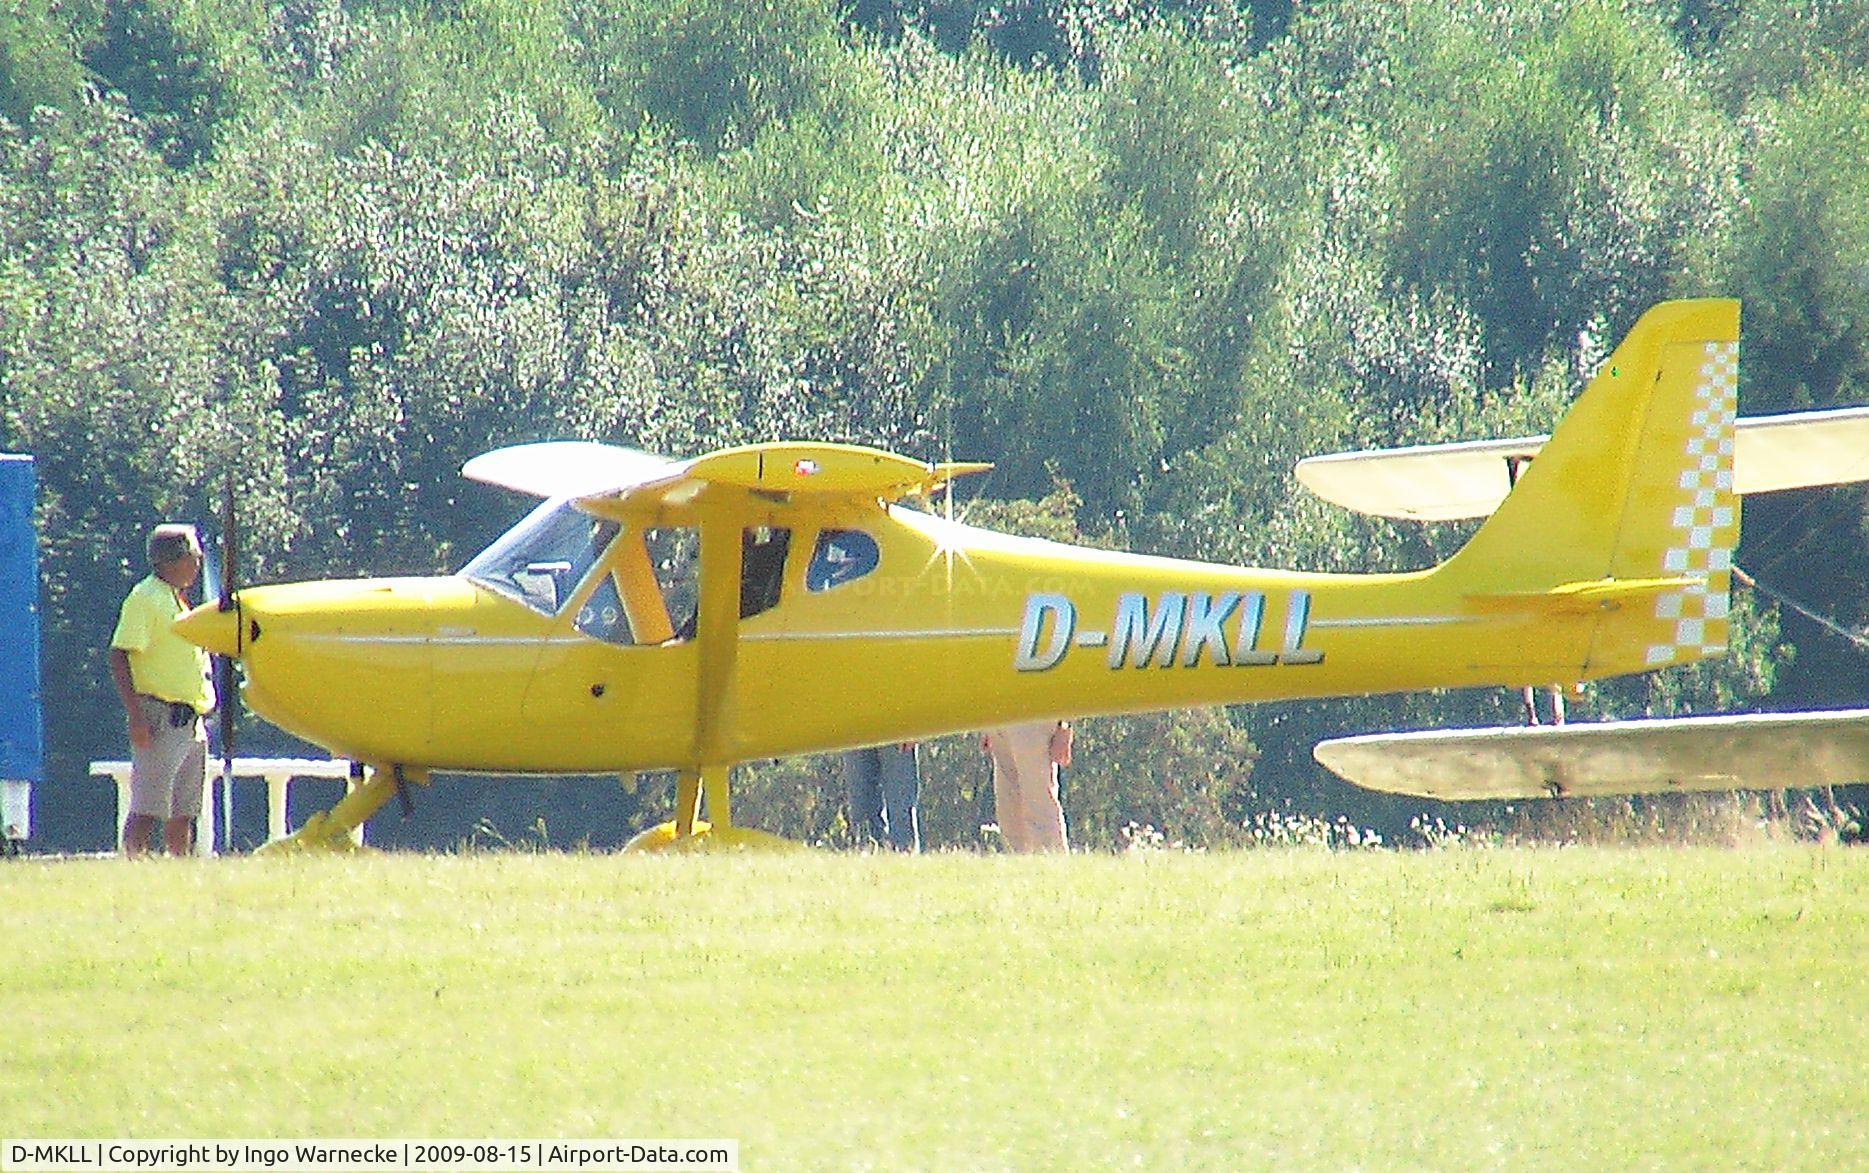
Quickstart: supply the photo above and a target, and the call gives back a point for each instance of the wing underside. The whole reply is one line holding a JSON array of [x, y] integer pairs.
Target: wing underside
[[1760, 751]]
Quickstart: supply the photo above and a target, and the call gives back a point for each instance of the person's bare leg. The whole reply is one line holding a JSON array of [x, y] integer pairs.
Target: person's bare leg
[[136, 832], [178, 835]]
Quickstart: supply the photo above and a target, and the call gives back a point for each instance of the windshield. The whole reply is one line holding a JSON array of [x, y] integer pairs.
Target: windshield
[[541, 560]]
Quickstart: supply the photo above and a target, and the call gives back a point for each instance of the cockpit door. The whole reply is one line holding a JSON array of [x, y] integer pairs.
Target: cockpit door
[[614, 684]]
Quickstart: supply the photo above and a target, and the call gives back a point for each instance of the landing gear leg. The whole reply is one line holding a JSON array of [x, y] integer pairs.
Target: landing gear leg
[[688, 833], [687, 803], [714, 787], [331, 830]]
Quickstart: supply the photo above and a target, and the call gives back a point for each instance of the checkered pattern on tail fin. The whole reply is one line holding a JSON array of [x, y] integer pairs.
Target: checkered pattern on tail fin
[[1705, 523]]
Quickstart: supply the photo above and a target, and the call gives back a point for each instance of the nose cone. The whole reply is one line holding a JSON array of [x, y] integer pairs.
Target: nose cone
[[211, 628]]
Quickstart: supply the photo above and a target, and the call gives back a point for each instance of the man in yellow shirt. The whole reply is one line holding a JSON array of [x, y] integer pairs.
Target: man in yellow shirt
[[163, 682]]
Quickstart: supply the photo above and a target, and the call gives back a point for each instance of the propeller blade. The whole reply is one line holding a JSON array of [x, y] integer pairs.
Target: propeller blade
[[226, 692], [226, 686], [227, 544]]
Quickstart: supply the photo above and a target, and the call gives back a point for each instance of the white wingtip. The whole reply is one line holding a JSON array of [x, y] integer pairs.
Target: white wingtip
[[567, 468]]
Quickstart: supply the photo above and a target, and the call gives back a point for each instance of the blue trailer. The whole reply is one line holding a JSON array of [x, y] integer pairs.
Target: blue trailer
[[22, 731]]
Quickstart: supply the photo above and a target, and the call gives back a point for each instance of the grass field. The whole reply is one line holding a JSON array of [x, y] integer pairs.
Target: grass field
[[1461, 1008]]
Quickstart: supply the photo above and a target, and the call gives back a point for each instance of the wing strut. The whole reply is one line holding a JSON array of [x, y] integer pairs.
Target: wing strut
[[711, 755], [717, 627]]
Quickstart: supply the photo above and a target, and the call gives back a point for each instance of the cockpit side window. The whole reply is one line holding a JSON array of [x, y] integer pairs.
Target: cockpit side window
[[675, 554], [649, 596], [602, 615], [841, 556], [625, 604], [762, 568], [541, 560]]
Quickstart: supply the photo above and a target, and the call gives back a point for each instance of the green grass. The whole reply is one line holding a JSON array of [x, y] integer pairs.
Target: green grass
[[1463, 1008]]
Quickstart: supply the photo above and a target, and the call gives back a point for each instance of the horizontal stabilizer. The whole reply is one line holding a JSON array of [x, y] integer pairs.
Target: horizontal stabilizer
[[1582, 598], [1448, 482], [1753, 751]]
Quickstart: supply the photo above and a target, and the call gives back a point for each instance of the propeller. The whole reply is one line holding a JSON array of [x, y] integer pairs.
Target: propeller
[[226, 687]]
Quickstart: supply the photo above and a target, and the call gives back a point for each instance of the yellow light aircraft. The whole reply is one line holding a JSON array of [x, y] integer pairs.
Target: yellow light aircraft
[[819, 615]]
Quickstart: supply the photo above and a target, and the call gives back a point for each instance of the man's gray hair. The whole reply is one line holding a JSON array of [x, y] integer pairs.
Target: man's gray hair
[[169, 542]]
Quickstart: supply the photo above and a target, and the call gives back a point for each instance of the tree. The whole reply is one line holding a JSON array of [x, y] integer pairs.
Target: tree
[[712, 72], [1800, 251], [163, 73], [38, 64]]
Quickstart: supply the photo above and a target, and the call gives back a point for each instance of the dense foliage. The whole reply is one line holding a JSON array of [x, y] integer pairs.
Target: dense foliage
[[1156, 251]]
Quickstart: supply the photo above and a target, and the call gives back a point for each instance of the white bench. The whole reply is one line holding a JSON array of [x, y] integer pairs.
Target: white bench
[[278, 773]]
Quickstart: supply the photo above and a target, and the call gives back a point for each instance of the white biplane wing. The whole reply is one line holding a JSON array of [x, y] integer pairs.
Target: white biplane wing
[[1448, 482], [1753, 751]]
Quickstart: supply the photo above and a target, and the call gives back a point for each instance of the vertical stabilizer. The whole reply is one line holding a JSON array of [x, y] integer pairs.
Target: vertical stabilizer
[[1631, 502]]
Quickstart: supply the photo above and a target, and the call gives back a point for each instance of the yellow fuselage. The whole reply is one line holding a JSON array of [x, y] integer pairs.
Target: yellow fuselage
[[954, 629]]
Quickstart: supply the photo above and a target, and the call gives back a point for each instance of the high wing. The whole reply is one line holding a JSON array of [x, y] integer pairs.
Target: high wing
[[1753, 751], [569, 468], [604, 474], [1449, 482]]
